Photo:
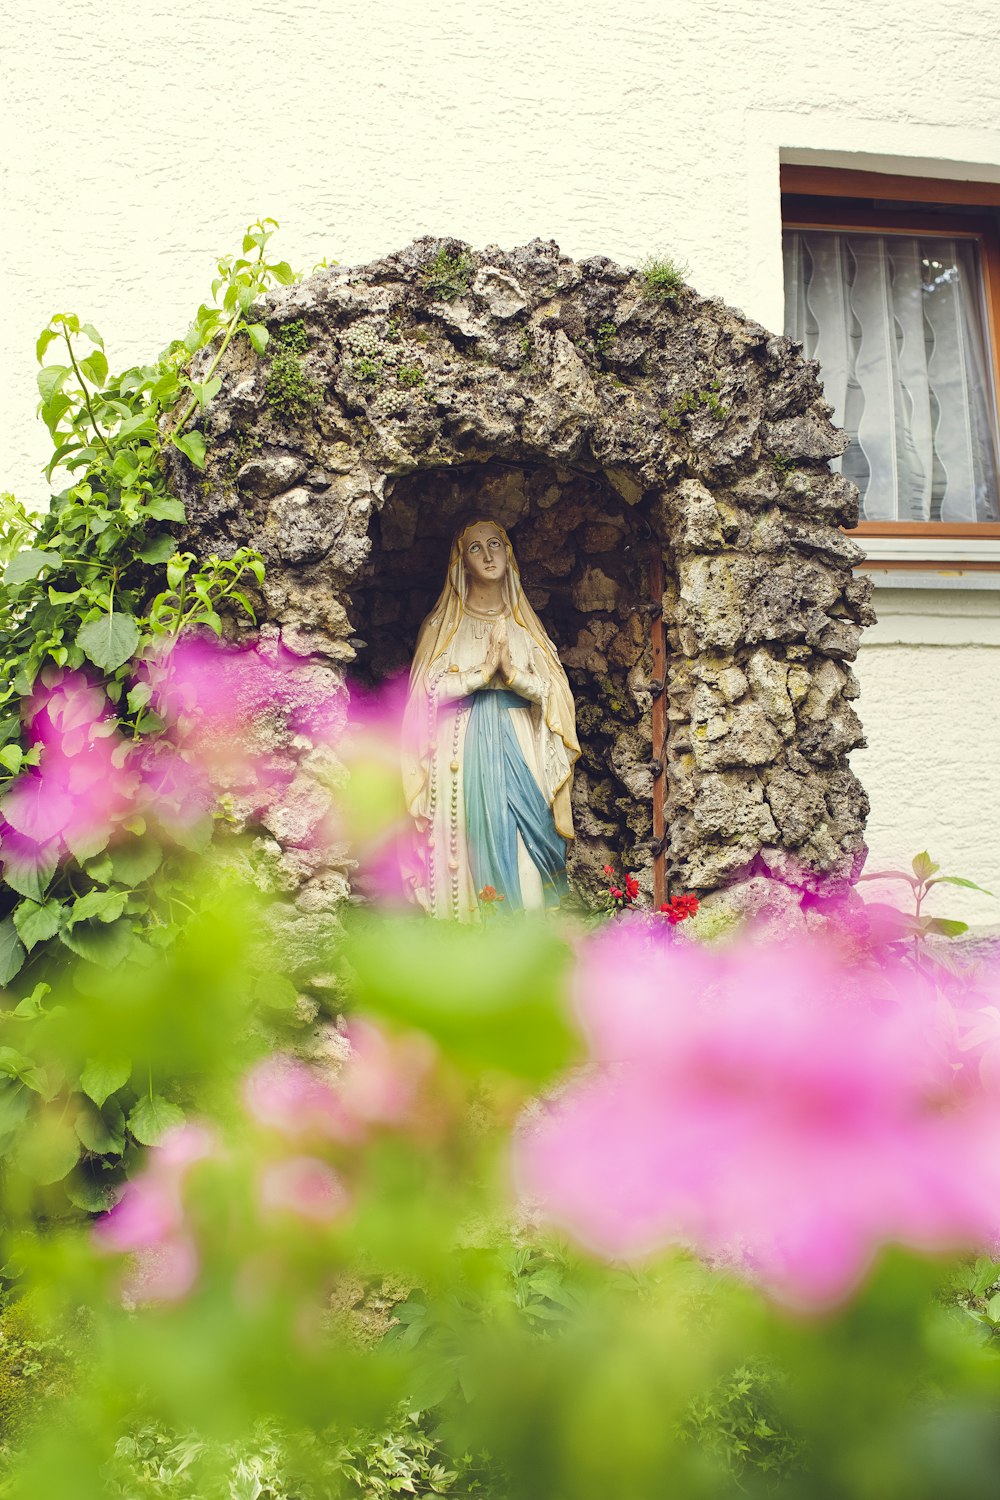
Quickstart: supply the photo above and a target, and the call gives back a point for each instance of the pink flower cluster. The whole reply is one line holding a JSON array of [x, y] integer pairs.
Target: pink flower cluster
[[771, 1107], [305, 1114], [91, 780]]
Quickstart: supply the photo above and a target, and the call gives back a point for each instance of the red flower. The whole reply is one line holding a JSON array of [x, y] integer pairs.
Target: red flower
[[616, 893], [679, 908], [489, 894], [631, 887], [609, 869]]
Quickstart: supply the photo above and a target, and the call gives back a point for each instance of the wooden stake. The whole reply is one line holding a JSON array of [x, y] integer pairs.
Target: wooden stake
[[659, 725]]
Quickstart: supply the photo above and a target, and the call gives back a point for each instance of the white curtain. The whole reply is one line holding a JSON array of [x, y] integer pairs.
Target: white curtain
[[896, 322]]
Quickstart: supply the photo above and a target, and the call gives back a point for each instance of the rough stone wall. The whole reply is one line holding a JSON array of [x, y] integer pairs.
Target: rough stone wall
[[598, 422]]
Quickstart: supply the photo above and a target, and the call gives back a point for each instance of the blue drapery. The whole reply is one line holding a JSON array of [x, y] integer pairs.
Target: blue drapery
[[502, 799]]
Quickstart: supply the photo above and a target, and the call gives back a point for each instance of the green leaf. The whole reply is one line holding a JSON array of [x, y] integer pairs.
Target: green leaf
[[159, 549], [102, 1130], [99, 942], [968, 885], [103, 1076], [91, 1194], [29, 563], [92, 334], [30, 873], [49, 1151], [166, 508], [153, 1117], [95, 368], [258, 336], [12, 952], [104, 906], [944, 927], [83, 848], [36, 924], [192, 445], [109, 641], [138, 426], [44, 340], [14, 1064], [30, 1008], [51, 379], [15, 1105], [924, 867], [207, 391], [11, 757], [889, 875], [137, 697], [134, 862], [993, 1308]]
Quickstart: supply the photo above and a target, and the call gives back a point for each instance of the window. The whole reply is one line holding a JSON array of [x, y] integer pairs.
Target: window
[[893, 284]]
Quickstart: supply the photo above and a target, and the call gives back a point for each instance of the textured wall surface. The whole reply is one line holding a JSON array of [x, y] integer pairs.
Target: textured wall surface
[[930, 702], [138, 142]]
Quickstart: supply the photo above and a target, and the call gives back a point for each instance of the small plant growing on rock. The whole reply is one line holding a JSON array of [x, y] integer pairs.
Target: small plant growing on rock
[[662, 279], [447, 276], [409, 375], [293, 336], [689, 401], [365, 370], [605, 337], [289, 392]]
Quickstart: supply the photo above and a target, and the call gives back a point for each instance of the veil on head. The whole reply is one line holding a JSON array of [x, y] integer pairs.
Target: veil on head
[[435, 636]]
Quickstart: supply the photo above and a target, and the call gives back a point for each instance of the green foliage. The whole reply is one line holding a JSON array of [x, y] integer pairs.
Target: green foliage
[[448, 276], [662, 279], [738, 1424], [37, 1369], [689, 401], [365, 370], [604, 338], [96, 583], [404, 1457], [409, 375], [922, 877], [783, 463], [293, 336]]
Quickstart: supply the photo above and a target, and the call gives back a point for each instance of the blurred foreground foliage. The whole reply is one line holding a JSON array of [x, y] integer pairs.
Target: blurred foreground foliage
[[366, 1312]]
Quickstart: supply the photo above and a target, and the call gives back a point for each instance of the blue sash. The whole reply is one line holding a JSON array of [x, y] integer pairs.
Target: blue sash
[[502, 799]]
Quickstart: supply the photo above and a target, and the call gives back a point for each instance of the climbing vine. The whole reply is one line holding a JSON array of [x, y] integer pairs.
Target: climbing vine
[[93, 592]]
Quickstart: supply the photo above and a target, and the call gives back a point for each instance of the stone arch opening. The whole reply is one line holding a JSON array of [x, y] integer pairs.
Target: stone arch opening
[[568, 395], [584, 557]]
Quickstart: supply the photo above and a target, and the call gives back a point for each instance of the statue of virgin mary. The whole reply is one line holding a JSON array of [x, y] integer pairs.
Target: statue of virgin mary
[[489, 742]]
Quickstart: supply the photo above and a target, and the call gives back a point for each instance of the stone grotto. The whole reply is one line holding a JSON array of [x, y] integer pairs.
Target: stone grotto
[[654, 458]]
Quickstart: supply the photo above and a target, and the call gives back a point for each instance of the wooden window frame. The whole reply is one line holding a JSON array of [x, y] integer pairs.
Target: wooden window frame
[[834, 183]]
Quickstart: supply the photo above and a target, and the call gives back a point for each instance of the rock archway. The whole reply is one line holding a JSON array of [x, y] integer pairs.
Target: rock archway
[[608, 428]]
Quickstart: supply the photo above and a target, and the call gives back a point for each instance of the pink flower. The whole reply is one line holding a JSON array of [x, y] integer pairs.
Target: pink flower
[[165, 1272], [291, 1097], [757, 1105], [383, 1075], [148, 1221], [85, 780], [147, 1213], [304, 1186]]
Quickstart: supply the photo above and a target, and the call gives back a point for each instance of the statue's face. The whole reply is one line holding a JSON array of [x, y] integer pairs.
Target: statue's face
[[483, 553]]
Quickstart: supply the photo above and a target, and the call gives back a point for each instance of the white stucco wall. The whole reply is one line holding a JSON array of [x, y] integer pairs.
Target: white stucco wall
[[138, 141]]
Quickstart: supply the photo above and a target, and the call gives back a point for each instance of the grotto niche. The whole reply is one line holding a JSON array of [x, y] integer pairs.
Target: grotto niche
[[661, 464]]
